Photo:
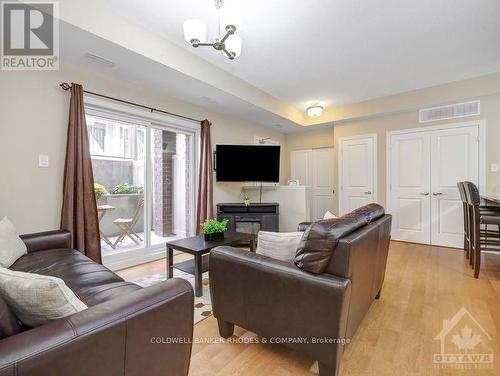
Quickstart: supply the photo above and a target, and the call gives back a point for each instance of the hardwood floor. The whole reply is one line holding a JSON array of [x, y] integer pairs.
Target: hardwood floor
[[424, 285]]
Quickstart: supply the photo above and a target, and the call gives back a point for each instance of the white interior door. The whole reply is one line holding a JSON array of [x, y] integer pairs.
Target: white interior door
[[455, 157], [425, 167], [301, 166], [322, 181], [410, 187], [357, 165]]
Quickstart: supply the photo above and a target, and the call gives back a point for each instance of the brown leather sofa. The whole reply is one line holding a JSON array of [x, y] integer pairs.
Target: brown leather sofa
[[312, 313], [127, 330]]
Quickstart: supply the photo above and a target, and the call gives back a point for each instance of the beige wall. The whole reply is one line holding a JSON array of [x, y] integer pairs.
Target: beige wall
[[490, 112], [33, 121]]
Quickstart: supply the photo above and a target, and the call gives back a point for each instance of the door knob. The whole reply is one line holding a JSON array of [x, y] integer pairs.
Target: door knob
[[368, 192], [437, 193], [424, 193]]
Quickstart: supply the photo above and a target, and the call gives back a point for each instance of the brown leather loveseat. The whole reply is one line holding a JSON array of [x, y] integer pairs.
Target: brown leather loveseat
[[127, 330], [316, 313]]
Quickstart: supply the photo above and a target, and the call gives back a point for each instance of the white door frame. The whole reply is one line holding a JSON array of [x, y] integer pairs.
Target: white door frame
[[375, 165], [482, 152]]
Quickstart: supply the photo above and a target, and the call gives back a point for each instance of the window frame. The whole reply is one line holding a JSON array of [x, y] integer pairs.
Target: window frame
[[129, 114]]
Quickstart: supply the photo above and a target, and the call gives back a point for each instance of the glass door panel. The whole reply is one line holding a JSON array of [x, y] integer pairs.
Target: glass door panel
[[171, 185], [118, 160]]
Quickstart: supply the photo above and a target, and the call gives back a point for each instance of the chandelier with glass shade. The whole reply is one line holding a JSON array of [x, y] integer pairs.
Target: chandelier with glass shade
[[195, 31]]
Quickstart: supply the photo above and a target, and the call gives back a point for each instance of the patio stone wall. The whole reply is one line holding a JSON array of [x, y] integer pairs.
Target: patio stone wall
[[110, 173]]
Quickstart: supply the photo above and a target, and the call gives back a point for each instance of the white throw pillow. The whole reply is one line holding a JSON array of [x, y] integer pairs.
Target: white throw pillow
[[11, 246], [36, 299], [329, 215], [278, 245]]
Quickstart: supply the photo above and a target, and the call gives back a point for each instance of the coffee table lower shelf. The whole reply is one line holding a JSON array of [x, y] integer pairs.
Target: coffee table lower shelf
[[189, 267], [198, 247]]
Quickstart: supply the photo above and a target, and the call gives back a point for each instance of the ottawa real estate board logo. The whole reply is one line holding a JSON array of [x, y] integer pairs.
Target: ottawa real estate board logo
[[464, 344], [29, 35]]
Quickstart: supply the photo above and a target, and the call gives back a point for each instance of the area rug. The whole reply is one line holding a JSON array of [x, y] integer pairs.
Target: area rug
[[202, 305]]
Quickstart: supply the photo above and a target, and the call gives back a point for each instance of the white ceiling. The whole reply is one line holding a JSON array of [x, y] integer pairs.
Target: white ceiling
[[341, 51], [158, 77]]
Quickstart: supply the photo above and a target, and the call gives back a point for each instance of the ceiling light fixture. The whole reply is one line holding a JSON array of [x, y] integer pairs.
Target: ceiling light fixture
[[314, 111], [195, 31]]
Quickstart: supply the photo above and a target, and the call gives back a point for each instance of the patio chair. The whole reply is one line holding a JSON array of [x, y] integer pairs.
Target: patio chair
[[126, 225]]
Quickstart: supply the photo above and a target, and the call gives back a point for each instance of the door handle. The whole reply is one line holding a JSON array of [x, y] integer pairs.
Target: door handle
[[424, 193], [437, 193], [368, 192]]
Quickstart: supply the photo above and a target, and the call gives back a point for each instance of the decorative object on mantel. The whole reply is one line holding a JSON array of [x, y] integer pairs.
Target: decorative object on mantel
[[293, 182], [214, 229], [195, 31], [258, 140]]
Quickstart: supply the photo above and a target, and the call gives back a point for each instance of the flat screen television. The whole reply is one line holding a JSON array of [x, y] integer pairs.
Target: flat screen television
[[247, 163]]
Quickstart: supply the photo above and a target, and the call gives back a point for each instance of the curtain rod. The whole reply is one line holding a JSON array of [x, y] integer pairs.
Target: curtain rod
[[66, 86]]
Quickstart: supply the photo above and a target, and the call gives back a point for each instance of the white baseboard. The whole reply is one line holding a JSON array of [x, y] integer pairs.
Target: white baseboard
[[127, 259]]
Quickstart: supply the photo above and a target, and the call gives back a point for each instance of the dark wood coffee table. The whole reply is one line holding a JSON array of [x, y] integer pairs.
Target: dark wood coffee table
[[199, 248]]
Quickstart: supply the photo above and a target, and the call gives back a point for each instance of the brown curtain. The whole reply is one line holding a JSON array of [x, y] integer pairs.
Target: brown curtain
[[79, 210], [205, 184]]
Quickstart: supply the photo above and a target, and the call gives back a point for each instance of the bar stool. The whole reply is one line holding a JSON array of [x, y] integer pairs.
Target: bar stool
[[479, 239], [467, 221], [467, 238]]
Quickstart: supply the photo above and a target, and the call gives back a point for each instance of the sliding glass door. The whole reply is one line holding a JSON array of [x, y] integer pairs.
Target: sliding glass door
[[144, 184]]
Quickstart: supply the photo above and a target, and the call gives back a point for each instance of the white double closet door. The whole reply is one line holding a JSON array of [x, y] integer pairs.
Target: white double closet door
[[425, 167], [314, 168]]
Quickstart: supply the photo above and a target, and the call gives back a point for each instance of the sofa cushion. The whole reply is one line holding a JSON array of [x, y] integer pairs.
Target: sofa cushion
[[329, 215], [278, 245], [91, 282], [321, 238], [9, 325], [37, 299], [11, 245]]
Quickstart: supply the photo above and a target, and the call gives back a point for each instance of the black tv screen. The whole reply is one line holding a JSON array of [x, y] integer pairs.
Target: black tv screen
[[247, 163]]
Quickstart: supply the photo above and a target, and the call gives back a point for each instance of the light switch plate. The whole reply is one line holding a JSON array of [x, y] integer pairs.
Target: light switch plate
[[43, 160], [494, 167]]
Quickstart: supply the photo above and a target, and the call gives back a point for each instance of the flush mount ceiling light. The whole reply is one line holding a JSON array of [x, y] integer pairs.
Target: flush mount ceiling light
[[314, 111], [195, 31]]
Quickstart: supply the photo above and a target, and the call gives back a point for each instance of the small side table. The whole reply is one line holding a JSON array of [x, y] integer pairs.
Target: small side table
[[199, 248]]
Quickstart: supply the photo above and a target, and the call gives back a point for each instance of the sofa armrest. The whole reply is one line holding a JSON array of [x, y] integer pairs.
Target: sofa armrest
[[303, 226], [41, 241], [148, 330], [276, 299]]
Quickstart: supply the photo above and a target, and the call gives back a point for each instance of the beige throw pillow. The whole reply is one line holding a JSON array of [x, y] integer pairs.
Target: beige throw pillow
[[329, 215], [11, 246], [278, 245], [37, 299]]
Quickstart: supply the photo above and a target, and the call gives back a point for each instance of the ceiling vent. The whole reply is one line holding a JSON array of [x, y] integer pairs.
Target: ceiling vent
[[99, 60], [451, 111]]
